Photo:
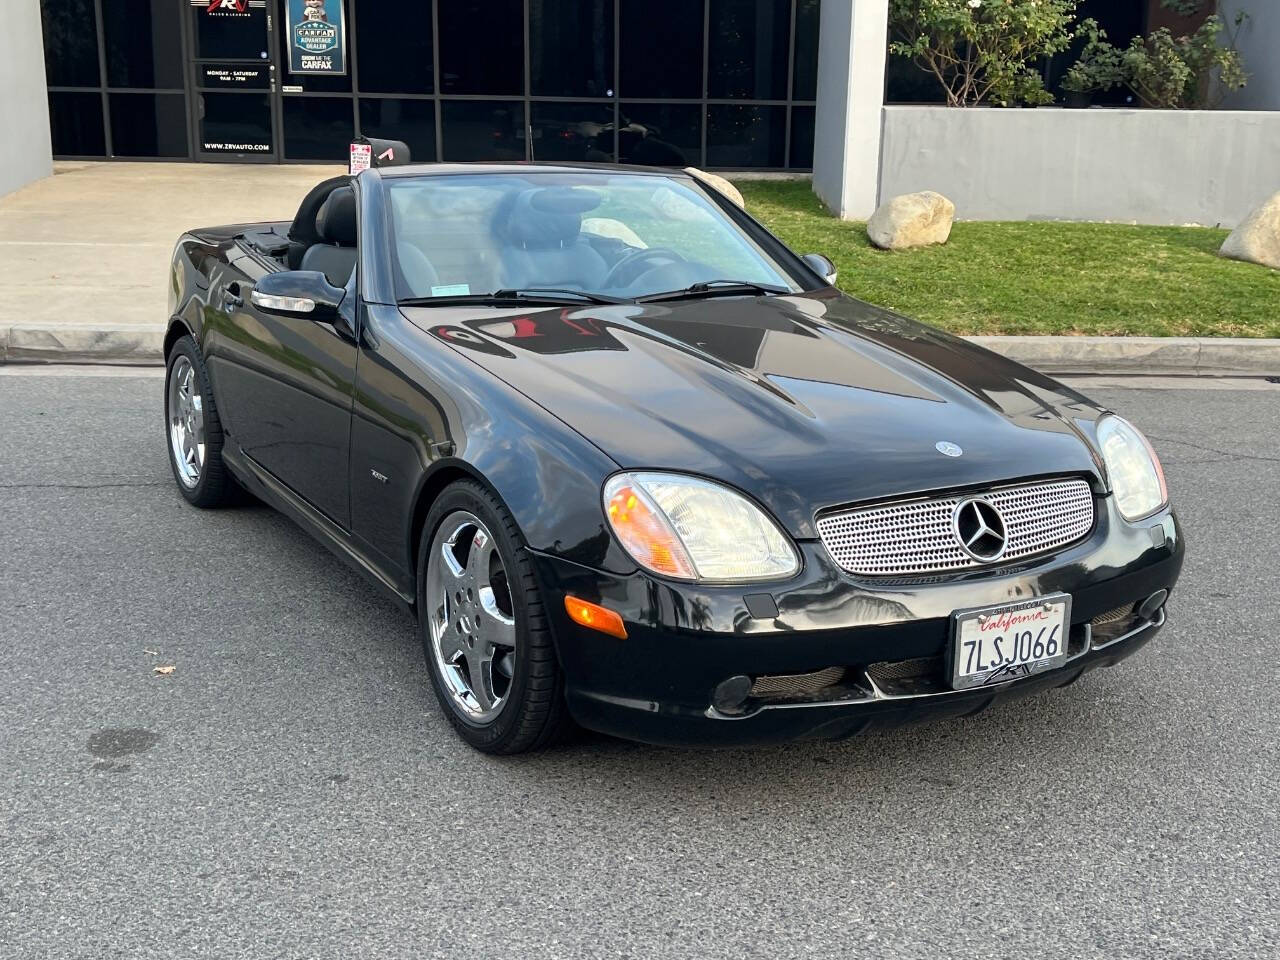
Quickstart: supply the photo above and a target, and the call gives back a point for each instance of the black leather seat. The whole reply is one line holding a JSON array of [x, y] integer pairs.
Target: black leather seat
[[541, 231], [335, 253]]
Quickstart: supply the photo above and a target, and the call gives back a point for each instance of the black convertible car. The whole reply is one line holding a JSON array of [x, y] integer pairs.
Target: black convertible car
[[636, 464]]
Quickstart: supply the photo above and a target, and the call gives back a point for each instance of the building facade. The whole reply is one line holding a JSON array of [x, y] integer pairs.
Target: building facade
[[729, 84]]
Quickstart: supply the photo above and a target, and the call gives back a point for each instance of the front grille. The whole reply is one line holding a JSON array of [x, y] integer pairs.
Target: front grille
[[915, 536]]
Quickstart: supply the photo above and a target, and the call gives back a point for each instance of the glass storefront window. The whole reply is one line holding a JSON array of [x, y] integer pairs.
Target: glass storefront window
[[747, 50], [805, 84], [482, 129], [235, 124], [75, 122], [413, 121], [660, 134], [579, 132], [481, 46], [571, 48], [746, 136], [229, 34], [143, 44], [70, 43], [148, 124], [660, 48], [802, 123], [317, 128], [395, 51], [455, 79]]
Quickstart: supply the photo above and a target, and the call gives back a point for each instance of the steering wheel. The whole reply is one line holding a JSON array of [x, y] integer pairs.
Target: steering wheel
[[633, 259]]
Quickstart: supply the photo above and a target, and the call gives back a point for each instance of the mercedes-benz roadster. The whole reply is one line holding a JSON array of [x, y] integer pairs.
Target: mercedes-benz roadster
[[636, 464]]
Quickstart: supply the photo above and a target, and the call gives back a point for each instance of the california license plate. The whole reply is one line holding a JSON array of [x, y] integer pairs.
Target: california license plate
[[1012, 640]]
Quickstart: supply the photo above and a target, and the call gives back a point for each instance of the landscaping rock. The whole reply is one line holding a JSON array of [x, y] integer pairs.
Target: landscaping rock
[[1257, 240], [720, 183], [912, 220]]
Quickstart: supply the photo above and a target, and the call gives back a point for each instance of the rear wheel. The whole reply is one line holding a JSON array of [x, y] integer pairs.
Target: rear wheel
[[484, 629], [193, 430]]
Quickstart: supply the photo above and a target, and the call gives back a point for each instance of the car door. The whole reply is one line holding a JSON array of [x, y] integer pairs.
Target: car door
[[286, 383]]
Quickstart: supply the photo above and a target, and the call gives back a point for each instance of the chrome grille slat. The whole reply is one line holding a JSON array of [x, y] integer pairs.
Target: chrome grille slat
[[915, 537]]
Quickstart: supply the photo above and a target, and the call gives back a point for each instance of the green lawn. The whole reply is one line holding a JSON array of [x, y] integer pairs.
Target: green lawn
[[1038, 278]]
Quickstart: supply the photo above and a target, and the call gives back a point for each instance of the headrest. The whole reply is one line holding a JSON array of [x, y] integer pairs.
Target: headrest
[[303, 228], [547, 216], [336, 221]]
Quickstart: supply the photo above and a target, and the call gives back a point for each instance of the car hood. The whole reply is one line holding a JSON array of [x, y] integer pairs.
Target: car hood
[[805, 402]]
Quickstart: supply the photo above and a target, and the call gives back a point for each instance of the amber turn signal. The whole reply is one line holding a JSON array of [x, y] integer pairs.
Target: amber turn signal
[[595, 616]]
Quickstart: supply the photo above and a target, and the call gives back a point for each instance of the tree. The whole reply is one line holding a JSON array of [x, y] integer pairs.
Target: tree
[[983, 49]]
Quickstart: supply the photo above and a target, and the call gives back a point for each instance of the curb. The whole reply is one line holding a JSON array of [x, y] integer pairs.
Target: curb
[[141, 344]]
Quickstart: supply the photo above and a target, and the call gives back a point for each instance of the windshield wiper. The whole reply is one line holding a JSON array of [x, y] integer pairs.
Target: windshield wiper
[[715, 288], [513, 297]]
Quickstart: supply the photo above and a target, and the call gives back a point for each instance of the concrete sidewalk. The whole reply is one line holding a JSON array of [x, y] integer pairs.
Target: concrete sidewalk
[[84, 253], [83, 257]]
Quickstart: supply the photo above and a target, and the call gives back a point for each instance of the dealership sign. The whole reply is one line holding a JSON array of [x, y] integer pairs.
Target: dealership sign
[[317, 36]]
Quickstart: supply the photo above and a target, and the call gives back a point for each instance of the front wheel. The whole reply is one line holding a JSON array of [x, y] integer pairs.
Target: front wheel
[[484, 629], [192, 428]]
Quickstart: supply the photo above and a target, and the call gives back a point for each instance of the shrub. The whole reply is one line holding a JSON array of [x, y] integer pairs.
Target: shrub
[[982, 49]]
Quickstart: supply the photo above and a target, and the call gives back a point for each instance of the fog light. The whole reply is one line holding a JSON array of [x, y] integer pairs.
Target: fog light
[[1151, 606], [729, 695]]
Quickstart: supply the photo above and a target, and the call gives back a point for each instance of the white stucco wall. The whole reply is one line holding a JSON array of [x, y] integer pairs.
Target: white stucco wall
[[1144, 166], [852, 46], [1259, 42], [24, 110]]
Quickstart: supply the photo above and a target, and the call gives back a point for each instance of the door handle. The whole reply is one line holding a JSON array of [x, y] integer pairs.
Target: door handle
[[231, 299]]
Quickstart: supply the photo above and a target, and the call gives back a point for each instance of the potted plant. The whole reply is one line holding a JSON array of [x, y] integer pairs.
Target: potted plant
[[1100, 68]]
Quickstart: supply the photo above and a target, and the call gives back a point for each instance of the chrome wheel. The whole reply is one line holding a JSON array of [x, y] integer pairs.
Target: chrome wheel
[[186, 422], [470, 616]]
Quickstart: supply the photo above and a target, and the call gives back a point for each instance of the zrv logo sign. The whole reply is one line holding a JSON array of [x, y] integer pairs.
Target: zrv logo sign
[[230, 6]]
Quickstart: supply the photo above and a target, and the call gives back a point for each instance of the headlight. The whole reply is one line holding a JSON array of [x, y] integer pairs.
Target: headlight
[[693, 529], [1137, 479]]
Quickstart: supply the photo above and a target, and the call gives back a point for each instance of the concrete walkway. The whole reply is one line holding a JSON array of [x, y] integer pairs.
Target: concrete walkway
[[88, 249]]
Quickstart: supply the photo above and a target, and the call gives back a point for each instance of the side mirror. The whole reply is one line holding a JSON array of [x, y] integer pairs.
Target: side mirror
[[822, 266], [306, 294]]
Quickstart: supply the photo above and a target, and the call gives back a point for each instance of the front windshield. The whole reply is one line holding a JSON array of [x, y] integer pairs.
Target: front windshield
[[616, 235]]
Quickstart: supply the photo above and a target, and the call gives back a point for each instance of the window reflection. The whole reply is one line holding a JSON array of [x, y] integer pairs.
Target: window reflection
[[661, 49], [481, 46], [144, 44], [805, 84], [395, 53], [802, 122], [75, 123], [573, 131], [317, 128], [413, 121], [482, 130], [747, 49], [70, 43], [660, 134], [746, 136], [148, 125], [571, 48]]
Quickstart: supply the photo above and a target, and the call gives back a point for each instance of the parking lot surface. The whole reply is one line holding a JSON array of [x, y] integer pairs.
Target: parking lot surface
[[291, 788]]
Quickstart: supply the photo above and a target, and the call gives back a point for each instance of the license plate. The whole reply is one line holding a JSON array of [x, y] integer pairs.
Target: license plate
[[1012, 640]]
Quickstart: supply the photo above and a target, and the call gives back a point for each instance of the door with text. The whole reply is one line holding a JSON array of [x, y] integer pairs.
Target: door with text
[[234, 68]]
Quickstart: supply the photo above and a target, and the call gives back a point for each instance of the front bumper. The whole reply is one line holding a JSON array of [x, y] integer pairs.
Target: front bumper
[[684, 640]]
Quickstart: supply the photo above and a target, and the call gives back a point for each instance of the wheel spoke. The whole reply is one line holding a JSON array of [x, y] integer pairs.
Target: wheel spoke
[[451, 568], [480, 667], [496, 626], [451, 645]]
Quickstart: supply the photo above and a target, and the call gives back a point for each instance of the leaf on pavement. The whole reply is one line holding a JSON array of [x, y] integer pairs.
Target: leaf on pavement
[[165, 670]]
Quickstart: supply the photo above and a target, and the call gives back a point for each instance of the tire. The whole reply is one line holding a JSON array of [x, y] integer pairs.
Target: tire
[[209, 484], [517, 713]]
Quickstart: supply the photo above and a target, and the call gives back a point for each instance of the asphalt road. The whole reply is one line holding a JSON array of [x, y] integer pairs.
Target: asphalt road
[[291, 789]]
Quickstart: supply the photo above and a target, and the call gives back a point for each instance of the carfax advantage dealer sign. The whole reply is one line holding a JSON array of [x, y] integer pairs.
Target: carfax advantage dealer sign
[[317, 36]]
